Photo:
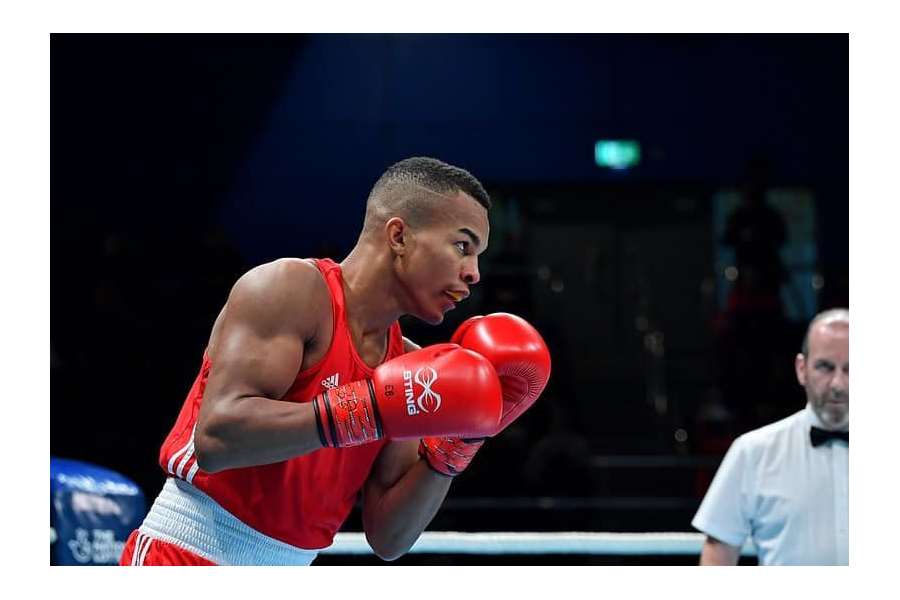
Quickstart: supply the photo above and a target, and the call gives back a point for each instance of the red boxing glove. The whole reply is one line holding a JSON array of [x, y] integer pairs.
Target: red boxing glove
[[441, 390], [449, 455], [518, 353], [522, 361]]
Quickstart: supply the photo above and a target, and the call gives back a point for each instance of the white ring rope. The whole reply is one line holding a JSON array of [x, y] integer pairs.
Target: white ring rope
[[573, 542]]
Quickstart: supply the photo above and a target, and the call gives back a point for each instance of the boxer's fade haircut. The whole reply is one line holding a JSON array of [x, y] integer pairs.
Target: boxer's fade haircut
[[403, 191], [832, 315]]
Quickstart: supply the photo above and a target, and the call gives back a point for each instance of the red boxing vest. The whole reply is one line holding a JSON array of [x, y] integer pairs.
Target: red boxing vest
[[305, 500]]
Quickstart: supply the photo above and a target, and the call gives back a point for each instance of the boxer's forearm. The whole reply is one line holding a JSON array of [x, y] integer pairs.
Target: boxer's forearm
[[395, 517], [254, 431]]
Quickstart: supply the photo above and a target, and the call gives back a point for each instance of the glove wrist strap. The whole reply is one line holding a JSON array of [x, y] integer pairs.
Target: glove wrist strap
[[347, 416]]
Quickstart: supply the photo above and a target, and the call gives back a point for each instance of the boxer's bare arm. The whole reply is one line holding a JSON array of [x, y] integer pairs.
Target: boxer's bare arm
[[400, 496], [718, 553], [256, 350]]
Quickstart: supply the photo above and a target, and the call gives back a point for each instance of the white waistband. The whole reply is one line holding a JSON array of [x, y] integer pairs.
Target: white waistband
[[186, 517]]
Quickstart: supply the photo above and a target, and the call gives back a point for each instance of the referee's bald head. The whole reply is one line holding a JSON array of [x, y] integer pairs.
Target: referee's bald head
[[832, 315]]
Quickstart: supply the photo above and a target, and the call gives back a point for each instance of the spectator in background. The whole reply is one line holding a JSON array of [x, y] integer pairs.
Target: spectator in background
[[756, 231], [785, 485], [754, 315]]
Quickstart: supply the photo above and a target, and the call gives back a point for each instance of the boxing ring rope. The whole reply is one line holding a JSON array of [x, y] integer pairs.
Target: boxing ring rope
[[520, 542]]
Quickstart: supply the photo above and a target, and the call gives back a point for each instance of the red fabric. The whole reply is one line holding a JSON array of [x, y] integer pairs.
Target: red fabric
[[159, 554], [305, 500]]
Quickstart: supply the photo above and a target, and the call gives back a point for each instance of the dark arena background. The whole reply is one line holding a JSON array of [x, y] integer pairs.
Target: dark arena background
[[621, 167]]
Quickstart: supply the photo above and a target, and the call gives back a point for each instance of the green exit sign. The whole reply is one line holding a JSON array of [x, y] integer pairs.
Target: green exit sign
[[617, 154]]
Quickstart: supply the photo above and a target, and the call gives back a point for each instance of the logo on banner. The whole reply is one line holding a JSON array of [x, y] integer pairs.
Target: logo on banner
[[97, 546]]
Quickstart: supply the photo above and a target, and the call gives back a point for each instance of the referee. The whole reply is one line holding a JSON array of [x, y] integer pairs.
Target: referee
[[785, 485]]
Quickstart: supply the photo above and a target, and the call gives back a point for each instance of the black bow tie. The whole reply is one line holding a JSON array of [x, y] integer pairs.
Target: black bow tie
[[820, 436]]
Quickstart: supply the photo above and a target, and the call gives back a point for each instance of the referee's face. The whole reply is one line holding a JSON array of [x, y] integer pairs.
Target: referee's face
[[825, 373]]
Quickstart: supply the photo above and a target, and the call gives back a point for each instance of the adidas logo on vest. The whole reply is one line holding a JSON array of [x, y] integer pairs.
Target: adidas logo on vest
[[329, 383]]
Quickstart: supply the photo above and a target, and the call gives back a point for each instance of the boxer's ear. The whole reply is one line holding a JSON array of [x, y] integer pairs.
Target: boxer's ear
[[398, 235]]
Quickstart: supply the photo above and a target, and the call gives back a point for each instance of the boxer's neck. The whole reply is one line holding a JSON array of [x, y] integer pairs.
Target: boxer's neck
[[370, 301]]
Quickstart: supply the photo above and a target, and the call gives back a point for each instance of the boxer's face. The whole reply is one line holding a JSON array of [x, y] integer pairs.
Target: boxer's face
[[825, 373], [442, 259]]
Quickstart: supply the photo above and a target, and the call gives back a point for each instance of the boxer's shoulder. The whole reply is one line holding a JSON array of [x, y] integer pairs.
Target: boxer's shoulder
[[287, 292], [287, 274]]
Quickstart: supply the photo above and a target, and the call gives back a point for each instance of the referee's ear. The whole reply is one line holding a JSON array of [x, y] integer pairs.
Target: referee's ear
[[800, 368]]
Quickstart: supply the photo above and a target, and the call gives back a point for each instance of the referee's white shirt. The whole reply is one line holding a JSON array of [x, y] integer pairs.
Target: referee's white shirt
[[790, 498]]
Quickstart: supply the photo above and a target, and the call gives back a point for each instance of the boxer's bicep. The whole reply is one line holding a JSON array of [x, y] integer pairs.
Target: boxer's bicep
[[251, 362], [256, 350], [258, 345]]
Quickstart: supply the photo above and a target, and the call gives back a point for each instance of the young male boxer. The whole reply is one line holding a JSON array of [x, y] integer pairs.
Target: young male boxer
[[309, 395]]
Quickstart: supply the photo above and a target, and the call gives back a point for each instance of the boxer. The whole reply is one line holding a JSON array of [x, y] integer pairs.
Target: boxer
[[308, 395]]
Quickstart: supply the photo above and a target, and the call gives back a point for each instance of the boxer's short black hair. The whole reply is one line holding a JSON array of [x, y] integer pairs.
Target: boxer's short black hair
[[435, 175], [414, 187]]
